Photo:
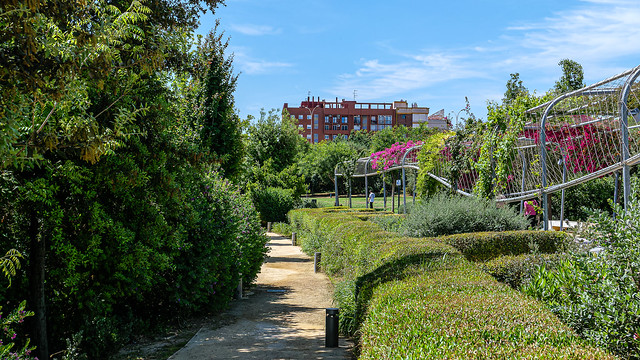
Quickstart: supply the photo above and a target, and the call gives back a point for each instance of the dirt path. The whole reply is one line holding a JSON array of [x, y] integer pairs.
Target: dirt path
[[282, 318]]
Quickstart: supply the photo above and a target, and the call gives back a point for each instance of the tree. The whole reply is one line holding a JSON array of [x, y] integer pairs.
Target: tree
[[221, 127], [70, 76], [514, 89], [274, 136], [572, 77]]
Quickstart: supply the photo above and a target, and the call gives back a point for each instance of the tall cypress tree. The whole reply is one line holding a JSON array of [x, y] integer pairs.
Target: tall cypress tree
[[221, 127]]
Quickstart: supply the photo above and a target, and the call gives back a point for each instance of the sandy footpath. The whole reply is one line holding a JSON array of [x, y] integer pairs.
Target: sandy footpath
[[282, 317]]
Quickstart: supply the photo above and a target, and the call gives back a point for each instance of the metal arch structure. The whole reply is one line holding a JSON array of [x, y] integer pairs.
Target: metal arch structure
[[574, 138]]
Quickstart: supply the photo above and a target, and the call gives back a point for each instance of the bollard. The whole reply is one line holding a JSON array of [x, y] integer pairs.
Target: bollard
[[316, 262], [293, 238], [331, 335], [268, 226], [239, 288]]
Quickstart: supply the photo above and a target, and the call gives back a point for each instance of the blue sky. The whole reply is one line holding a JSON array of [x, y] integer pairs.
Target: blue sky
[[431, 52]]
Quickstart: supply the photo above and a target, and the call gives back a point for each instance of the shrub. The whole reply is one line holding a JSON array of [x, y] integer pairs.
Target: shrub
[[281, 228], [461, 313], [445, 215], [419, 298], [517, 270], [391, 223], [599, 295], [484, 246], [273, 203]]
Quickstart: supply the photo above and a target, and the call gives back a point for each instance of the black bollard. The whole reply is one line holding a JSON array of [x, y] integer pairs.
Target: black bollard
[[293, 238], [316, 262], [268, 226], [331, 337]]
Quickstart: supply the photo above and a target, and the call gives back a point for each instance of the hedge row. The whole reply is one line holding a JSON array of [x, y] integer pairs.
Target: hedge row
[[416, 298], [484, 246]]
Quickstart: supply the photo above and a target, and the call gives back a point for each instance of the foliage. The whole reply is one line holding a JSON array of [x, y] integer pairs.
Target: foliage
[[319, 163], [483, 246], [418, 298], [515, 88], [391, 156], [273, 203], [572, 77], [10, 337], [281, 228], [221, 128], [274, 136], [460, 313], [428, 158], [598, 295], [581, 200], [504, 125], [516, 270], [389, 222], [445, 215]]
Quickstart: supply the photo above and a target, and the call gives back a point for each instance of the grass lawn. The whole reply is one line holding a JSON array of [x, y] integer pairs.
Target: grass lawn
[[357, 202]]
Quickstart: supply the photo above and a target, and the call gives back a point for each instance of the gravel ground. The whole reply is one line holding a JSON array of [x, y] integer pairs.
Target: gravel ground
[[282, 317]]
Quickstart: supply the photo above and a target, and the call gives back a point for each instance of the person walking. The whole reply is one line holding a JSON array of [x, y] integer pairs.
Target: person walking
[[372, 197]]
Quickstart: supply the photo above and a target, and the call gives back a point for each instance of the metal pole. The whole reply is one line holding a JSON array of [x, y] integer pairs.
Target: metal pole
[[564, 180], [404, 191], [524, 172], [349, 193], [316, 261], [384, 190], [336, 181], [415, 180], [624, 128]]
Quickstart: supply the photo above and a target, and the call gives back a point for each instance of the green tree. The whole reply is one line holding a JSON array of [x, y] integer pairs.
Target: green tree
[[274, 136], [515, 88], [221, 127], [572, 77]]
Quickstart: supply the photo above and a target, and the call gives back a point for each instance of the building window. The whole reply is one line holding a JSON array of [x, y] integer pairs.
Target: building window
[[335, 136], [299, 117], [326, 127], [309, 137], [344, 120], [388, 119], [326, 137], [301, 126], [374, 127], [309, 117], [404, 117], [336, 127], [364, 120], [356, 120], [309, 127], [356, 127], [315, 116], [315, 138], [364, 126], [335, 119], [345, 127], [326, 119], [374, 120], [293, 117], [315, 123]]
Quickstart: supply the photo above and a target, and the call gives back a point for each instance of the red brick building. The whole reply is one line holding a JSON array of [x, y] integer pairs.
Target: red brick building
[[323, 120]]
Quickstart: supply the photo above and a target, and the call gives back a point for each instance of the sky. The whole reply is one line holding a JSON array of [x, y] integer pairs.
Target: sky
[[433, 53]]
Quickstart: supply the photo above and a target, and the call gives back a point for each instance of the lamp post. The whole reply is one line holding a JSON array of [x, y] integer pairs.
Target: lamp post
[[311, 111]]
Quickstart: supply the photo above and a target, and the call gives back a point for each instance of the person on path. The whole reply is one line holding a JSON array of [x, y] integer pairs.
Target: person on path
[[372, 197]]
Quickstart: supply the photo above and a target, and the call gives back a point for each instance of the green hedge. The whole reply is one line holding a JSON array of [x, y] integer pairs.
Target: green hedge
[[485, 246], [417, 298], [514, 270]]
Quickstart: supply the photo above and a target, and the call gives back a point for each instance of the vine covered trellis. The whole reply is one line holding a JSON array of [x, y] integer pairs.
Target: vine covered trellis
[[576, 137]]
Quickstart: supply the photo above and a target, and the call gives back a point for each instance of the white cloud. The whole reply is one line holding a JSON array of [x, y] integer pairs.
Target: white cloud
[[255, 30], [250, 65], [375, 79]]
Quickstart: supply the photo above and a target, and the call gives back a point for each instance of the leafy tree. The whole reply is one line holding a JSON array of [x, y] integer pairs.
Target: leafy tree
[[515, 88], [572, 77], [274, 136], [320, 161], [221, 127], [70, 83]]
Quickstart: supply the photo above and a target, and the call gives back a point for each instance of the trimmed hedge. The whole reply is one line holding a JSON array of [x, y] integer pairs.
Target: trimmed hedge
[[415, 298], [514, 270], [485, 246]]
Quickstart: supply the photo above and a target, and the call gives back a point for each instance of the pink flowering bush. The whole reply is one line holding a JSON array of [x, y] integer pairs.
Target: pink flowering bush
[[390, 157]]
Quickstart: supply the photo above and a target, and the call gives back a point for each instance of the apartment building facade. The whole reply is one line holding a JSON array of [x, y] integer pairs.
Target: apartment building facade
[[320, 120]]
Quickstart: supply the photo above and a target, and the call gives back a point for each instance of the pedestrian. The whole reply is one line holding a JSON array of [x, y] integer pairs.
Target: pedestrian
[[372, 197]]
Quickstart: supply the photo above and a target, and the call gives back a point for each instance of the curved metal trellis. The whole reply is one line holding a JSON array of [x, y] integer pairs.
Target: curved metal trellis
[[576, 137]]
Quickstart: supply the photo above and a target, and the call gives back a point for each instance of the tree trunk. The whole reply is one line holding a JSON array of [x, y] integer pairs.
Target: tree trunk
[[36, 288]]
